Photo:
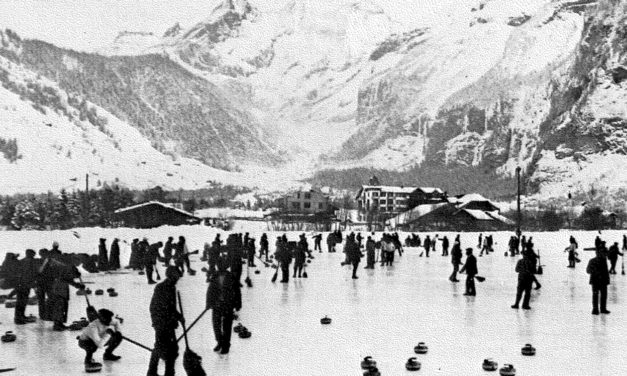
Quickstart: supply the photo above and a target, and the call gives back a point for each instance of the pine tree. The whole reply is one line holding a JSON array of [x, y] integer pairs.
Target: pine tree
[[25, 216]]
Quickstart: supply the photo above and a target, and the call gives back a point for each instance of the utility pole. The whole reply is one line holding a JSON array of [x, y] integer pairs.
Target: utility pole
[[518, 221], [86, 216]]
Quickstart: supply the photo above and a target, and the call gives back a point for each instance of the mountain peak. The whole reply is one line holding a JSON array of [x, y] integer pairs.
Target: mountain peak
[[173, 31], [238, 6]]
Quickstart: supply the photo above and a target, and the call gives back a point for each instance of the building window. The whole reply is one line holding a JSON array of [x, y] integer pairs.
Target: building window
[[307, 196], [307, 205], [295, 205]]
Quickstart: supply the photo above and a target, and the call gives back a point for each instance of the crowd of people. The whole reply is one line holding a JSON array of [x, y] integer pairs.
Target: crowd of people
[[53, 273]]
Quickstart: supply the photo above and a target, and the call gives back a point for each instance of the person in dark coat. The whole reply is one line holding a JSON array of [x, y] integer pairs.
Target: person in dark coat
[[250, 252], [264, 246], [165, 318], [142, 249], [470, 267], [44, 287], [300, 255], [599, 279], [456, 259], [64, 275], [445, 245], [103, 259], [284, 258], [223, 296], [27, 276], [612, 255], [526, 269], [167, 251], [150, 260], [214, 253], [317, 241], [114, 255], [354, 255], [331, 242], [133, 262], [235, 255], [370, 253], [427, 245]]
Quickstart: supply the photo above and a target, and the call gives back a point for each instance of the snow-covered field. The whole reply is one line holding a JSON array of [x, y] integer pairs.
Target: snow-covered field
[[384, 314]]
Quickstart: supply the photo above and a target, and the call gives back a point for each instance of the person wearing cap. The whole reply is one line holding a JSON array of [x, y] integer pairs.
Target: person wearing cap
[[526, 269], [165, 318], [470, 267], [223, 296], [104, 332], [114, 255], [599, 279], [28, 269], [103, 258]]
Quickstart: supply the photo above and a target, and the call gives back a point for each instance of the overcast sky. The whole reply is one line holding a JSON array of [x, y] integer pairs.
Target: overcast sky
[[92, 24]]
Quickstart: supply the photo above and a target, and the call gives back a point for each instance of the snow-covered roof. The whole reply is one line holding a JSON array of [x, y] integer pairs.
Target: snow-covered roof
[[471, 197], [430, 190], [415, 213], [229, 213], [497, 216], [479, 214], [390, 188], [154, 203]]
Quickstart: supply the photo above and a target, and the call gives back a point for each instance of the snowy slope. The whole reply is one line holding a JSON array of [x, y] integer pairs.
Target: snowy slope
[[57, 148]]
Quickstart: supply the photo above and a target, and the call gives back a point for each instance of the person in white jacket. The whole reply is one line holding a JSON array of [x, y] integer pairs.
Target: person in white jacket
[[100, 333]]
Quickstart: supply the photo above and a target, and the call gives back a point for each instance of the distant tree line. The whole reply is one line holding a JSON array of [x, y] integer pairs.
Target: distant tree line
[[9, 149], [65, 210]]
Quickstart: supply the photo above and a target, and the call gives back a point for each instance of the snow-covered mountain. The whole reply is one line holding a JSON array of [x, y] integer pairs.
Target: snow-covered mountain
[[492, 84]]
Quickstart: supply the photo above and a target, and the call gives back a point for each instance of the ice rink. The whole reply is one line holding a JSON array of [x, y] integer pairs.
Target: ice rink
[[383, 314]]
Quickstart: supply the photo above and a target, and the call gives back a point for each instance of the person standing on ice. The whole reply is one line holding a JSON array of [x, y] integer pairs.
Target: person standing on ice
[[45, 278], [525, 268], [445, 245], [599, 279], [456, 259], [572, 252], [612, 255], [317, 241], [133, 262], [471, 271], [284, 258], [370, 252], [167, 251], [100, 333], [354, 255], [114, 255], [263, 246], [427, 245], [331, 242], [103, 259], [300, 254], [165, 318], [152, 255], [223, 296], [64, 274], [28, 269]]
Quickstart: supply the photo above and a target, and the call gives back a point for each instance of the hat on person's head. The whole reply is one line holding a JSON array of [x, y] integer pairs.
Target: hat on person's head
[[105, 314], [30, 252], [55, 244]]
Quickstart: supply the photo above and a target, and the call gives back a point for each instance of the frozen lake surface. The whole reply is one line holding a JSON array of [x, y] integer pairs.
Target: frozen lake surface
[[383, 314]]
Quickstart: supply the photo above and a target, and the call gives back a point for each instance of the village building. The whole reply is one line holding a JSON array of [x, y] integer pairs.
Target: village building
[[471, 212], [383, 201], [306, 202], [154, 214]]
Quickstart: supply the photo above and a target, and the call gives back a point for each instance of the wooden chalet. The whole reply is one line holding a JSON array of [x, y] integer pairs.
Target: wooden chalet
[[154, 214]]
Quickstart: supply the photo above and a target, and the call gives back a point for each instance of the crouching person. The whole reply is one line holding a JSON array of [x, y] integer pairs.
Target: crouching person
[[104, 332]]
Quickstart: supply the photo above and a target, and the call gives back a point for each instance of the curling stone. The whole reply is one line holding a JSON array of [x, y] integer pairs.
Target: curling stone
[[8, 337], [93, 367], [421, 348], [99, 292], [113, 294], [191, 272], [372, 372], [309, 261], [507, 370], [244, 333], [87, 291], [368, 363], [84, 322], [412, 364], [489, 365], [80, 292], [325, 320], [110, 289], [257, 272], [75, 326], [528, 350], [141, 272], [10, 303], [32, 300], [238, 328], [30, 318]]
